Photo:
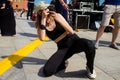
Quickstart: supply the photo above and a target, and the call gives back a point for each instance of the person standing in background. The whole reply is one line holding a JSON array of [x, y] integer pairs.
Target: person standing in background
[[30, 8], [7, 19], [62, 8], [112, 8], [22, 12], [75, 5]]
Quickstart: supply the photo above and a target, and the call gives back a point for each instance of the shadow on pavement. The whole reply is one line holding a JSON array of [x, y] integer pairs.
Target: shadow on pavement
[[105, 43], [26, 60], [63, 74], [29, 35], [32, 24], [73, 74]]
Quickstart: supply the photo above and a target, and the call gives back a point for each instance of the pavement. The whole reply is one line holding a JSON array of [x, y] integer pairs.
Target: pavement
[[28, 59]]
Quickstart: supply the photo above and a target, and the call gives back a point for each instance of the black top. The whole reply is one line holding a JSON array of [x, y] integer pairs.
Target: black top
[[56, 32]]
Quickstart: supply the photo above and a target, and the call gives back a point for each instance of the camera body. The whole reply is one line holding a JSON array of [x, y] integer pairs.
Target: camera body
[[52, 8]]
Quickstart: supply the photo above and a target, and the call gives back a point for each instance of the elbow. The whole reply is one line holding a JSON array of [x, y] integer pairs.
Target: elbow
[[41, 38]]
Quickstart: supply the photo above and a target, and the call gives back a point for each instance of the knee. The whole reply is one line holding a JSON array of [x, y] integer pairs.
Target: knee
[[102, 27], [91, 46]]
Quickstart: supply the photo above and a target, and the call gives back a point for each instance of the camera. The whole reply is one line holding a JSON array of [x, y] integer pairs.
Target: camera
[[51, 8]]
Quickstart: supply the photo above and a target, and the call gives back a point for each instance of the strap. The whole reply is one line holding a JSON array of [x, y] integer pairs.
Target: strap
[[60, 37]]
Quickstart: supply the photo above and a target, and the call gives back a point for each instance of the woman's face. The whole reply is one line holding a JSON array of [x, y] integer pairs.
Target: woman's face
[[50, 23]]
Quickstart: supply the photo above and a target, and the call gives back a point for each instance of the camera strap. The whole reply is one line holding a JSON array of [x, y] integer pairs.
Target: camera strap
[[61, 37]]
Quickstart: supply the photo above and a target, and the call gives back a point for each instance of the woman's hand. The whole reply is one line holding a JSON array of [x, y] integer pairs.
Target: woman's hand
[[45, 13]]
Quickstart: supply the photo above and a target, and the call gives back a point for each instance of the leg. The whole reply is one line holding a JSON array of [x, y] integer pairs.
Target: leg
[[28, 12], [83, 45], [88, 47], [115, 34], [100, 33], [116, 26], [54, 62], [32, 7], [62, 66], [90, 55], [116, 29], [79, 45], [108, 12]]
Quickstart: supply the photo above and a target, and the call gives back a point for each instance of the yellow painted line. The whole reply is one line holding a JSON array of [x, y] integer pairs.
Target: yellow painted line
[[8, 62]]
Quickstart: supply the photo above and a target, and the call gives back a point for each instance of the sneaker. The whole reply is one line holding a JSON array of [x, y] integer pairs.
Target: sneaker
[[91, 75], [96, 45], [114, 46]]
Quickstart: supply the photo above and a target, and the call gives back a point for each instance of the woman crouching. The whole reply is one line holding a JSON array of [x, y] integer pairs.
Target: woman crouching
[[57, 29]]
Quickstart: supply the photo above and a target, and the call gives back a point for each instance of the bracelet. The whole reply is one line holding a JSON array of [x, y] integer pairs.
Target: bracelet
[[42, 27]]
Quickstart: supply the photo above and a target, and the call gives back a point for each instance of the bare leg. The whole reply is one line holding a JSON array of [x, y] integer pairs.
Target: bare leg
[[115, 34], [100, 33]]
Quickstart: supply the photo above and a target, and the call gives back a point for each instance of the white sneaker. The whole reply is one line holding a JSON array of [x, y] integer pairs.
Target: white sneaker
[[91, 75]]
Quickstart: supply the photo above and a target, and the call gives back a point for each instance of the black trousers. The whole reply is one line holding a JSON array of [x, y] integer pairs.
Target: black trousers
[[66, 49], [30, 9]]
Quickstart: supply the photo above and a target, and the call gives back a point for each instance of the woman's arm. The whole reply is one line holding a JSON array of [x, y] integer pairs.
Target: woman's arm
[[41, 29], [42, 32], [60, 19]]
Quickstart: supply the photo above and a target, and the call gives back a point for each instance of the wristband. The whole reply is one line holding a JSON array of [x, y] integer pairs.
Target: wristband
[[42, 27]]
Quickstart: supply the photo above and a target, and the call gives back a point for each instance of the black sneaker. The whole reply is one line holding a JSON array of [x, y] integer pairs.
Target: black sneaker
[[114, 46]]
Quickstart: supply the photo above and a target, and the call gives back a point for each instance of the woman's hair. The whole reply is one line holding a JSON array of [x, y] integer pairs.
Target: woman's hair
[[39, 17]]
